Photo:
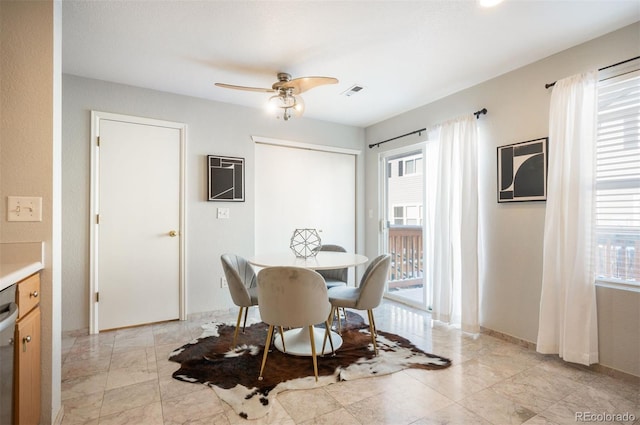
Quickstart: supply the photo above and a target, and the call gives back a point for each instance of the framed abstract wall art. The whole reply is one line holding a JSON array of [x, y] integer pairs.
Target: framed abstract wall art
[[225, 178], [522, 171]]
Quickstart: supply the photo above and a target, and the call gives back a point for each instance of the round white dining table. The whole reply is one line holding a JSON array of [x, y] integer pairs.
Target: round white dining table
[[324, 260], [297, 341]]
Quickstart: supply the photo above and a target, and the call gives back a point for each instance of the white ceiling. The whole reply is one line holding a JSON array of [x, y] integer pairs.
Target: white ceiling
[[404, 53]]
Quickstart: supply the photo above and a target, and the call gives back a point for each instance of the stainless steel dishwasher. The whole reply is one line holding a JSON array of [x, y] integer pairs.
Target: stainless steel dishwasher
[[8, 316]]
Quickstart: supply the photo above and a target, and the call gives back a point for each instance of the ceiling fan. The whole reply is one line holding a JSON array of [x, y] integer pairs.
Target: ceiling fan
[[287, 91]]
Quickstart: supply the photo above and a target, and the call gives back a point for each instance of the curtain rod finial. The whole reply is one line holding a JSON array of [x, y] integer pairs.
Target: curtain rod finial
[[482, 111]]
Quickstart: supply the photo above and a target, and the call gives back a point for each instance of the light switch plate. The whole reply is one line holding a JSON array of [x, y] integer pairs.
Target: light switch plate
[[223, 212], [24, 208]]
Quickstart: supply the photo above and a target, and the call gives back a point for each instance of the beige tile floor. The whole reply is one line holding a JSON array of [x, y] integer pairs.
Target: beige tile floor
[[124, 377]]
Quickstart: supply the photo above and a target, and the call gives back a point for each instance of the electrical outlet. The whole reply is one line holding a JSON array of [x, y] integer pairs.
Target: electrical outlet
[[223, 212], [223, 283]]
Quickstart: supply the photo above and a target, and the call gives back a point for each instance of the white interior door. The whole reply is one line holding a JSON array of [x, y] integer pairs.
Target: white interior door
[[138, 228], [303, 188]]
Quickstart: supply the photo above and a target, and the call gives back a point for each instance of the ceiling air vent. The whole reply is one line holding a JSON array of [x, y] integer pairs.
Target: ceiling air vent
[[352, 90]]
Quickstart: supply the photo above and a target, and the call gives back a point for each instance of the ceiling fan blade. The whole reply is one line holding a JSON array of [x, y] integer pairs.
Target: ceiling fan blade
[[302, 84], [258, 89]]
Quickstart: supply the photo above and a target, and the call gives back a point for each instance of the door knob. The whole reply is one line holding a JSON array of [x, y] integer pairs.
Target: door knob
[[173, 233]]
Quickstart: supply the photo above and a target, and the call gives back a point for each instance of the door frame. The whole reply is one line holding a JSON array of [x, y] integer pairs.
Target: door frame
[[383, 230], [94, 284]]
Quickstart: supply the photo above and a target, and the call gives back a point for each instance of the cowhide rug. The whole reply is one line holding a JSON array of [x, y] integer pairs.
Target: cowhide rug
[[233, 374]]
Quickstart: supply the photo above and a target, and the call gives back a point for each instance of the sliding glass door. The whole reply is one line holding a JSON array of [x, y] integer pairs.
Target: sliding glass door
[[402, 174]]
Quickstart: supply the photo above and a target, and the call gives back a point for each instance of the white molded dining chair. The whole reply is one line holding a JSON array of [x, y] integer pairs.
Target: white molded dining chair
[[241, 279], [366, 296], [293, 297], [334, 277]]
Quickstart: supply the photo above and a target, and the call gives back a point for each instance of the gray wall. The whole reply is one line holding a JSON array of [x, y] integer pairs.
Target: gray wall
[[212, 128], [512, 240], [511, 254]]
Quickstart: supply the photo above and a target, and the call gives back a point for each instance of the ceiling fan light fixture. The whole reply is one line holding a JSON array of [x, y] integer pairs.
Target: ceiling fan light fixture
[[298, 107], [286, 99], [286, 103]]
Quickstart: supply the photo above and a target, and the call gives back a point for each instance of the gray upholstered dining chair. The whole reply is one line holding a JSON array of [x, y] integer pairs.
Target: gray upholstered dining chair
[[293, 297], [366, 296], [241, 279], [334, 277]]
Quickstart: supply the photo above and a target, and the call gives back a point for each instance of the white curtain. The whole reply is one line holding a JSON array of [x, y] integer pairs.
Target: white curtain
[[568, 324], [454, 273]]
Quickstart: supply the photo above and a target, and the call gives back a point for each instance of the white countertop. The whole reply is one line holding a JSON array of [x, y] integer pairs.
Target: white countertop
[[19, 260]]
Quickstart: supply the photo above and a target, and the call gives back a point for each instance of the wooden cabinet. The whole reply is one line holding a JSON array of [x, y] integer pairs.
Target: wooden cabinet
[[27, 354]]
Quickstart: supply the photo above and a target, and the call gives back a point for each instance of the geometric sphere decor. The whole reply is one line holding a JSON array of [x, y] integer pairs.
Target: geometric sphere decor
[[305, 243]]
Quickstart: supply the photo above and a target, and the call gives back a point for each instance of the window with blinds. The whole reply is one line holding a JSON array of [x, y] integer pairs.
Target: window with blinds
[[617, 218]]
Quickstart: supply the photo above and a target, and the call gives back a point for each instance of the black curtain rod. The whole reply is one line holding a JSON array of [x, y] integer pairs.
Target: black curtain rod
[[482, 111], [548, 85], [398, 137]]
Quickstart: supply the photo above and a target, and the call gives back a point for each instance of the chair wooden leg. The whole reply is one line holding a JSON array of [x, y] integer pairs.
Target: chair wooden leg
[[331, 317], [328, 334], [235, 333], [329, 322], [244, 324], [373, 320], [266, 350], [313, 352], [284, 347], [372, 329]]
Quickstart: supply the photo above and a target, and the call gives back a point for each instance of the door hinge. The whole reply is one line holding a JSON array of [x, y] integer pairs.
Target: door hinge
[[98, 140], [97, 297]]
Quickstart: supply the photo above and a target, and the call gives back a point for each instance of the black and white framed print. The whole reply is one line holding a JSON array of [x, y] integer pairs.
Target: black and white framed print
[[522, 171], [226, 178]]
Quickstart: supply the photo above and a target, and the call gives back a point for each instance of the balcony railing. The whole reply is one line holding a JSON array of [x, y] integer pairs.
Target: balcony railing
[[618, 257], [406, 250]]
